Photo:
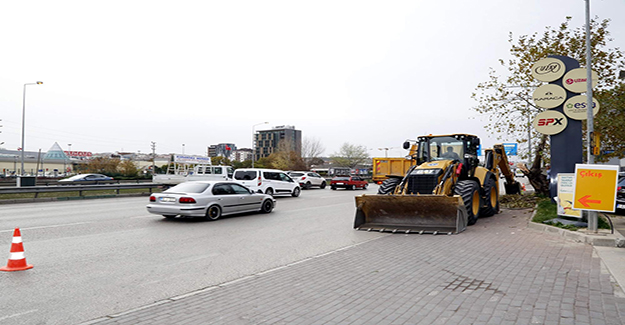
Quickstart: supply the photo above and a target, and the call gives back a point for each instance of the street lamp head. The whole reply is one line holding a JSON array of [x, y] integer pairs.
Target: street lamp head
[[40, 82]]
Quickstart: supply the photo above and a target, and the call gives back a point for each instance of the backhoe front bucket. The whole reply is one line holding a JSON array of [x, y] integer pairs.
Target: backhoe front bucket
[[437, 214]]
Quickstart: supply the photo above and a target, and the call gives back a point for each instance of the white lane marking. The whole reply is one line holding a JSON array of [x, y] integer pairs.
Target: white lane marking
[[18, 314], [51, 226]]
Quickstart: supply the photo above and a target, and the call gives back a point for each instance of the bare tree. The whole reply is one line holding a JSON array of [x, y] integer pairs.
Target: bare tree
[[312, 149], [350, 155]]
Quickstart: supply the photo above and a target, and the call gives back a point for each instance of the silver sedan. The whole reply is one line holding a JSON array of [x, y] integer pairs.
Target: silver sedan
[[208, 199]]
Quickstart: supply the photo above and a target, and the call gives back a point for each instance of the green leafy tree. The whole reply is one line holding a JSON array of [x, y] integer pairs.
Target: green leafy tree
[[242, 164], [350, 155], [286, 159], [128, 168], [221, 161], [101, 165], [610, 122], [505, 101]]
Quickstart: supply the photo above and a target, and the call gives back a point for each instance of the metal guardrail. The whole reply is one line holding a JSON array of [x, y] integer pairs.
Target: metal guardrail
[[75, 188], [52, 182]]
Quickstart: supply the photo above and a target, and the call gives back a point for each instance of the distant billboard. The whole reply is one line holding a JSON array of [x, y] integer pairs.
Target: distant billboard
[[187, 159], [510, 148]]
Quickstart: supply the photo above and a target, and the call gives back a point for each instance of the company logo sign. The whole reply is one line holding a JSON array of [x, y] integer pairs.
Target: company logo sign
[[550, 122], [549, 96], [575, 80], [576, 107], [548, 69], [78, 153]]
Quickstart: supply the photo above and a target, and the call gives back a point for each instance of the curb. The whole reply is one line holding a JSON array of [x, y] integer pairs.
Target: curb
[[605, 240]]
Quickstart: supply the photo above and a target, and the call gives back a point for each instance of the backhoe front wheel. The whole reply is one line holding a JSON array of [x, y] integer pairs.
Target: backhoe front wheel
[[389, 185], [492, 199], [470, 193]]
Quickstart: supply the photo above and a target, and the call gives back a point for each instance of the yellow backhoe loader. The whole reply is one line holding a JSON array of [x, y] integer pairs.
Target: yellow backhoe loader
[[443, 192]]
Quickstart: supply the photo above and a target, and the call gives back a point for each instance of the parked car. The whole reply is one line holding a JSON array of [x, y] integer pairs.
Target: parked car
[[620, 197], [307, 180], [86, 178], [268, 181], [348, 182], [209, 200]]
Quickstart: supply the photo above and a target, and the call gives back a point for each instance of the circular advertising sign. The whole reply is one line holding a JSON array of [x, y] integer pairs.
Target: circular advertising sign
[[575, 80], [575, 107], [550, 122], [549, 96], [548, 69]]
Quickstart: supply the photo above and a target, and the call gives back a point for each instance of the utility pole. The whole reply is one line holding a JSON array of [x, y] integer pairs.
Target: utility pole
[[153, 157]]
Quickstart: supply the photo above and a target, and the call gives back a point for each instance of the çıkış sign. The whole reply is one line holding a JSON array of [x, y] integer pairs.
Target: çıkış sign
[[549, 96], [595, 187], [575, 80], [550, 122], [548, 69], [78, 153], [575, 107]]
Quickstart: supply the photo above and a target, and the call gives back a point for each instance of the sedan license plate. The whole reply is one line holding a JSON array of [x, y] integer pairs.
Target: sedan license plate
[[340, 183], [620, 206], [168, 199]]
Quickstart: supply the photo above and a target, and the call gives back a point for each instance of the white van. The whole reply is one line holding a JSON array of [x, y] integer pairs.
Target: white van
[[268, 181], [211, 173]]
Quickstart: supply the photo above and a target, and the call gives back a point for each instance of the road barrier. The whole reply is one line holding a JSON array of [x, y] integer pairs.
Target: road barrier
[[76, 188]]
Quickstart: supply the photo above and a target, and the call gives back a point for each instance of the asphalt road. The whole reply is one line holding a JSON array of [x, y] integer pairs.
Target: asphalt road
[[100, 257]]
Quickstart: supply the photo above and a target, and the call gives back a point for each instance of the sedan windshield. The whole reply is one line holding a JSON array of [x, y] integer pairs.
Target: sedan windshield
[[189, 187]]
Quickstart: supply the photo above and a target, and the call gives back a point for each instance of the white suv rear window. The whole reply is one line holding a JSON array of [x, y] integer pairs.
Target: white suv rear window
[[244, 175]]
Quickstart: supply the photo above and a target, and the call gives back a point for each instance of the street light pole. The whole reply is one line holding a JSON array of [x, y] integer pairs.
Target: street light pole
[[254, 142], [24, 120]]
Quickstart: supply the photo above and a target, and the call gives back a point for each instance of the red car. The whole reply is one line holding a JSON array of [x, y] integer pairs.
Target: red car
[[348, 182]]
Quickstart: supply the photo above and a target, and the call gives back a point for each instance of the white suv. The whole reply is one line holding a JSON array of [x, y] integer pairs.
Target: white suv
[[268, 181], [307, 180]]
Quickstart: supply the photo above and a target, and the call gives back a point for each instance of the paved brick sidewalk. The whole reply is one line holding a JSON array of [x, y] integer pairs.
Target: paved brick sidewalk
[[496, 272]]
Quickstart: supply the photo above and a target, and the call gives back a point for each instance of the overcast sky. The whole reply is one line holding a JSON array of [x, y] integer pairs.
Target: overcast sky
[[120, 74]]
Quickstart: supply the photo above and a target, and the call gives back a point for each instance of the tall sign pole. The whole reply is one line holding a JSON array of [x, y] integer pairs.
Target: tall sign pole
[[592, 215]]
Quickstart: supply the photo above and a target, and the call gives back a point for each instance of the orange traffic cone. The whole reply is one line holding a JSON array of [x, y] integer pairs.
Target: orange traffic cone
[[17, 261]]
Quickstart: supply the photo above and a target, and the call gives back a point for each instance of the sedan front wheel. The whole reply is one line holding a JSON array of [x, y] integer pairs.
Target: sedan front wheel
[[267, 206]]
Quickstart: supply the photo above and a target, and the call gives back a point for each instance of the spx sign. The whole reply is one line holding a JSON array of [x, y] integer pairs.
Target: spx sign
[[550, 122]]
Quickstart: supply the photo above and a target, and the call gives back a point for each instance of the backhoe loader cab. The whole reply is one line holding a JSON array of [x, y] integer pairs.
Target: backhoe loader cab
[[445, 190]]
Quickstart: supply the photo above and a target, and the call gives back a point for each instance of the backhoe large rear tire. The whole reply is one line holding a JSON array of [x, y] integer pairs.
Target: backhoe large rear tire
[[492, 199], [388, 186], [470, 192]]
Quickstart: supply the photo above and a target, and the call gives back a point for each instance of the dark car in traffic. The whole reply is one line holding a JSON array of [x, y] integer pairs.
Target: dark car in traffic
[[348, 182], [86, 179], [620, 196]]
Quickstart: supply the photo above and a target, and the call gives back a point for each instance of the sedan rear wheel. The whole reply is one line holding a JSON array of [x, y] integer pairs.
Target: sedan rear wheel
[[213, 213]]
